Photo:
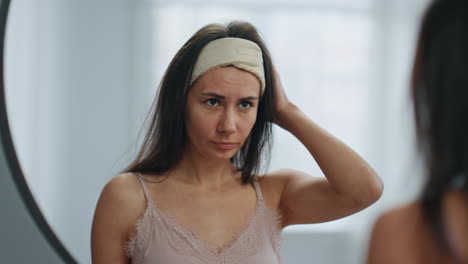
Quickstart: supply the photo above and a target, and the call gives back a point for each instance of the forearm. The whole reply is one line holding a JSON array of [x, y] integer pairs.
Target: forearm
[[345, 170]]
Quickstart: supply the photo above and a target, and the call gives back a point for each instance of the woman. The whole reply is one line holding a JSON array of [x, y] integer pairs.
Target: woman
[[193, 194], [434, 229]]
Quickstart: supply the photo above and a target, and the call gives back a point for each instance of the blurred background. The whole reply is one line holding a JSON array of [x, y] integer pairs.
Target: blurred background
[[80, 76]]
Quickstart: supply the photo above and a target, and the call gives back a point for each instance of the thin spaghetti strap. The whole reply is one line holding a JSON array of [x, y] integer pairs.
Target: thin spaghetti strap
[[258, 190], [145, 190]]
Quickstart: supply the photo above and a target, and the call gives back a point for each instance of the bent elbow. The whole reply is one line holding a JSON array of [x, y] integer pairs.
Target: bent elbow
[[374, 190], [377, 189], [371, 193]]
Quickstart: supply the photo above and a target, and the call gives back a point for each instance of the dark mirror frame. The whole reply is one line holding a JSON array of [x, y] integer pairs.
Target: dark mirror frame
[[13, 169]]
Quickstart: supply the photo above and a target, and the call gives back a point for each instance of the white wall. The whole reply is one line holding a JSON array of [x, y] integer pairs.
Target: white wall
[[69, 87]]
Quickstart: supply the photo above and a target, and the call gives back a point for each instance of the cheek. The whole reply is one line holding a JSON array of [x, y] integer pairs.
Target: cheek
[[197, 124], [249, 122]]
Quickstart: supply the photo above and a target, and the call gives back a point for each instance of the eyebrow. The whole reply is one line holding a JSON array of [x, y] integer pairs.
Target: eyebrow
[[223, 97]]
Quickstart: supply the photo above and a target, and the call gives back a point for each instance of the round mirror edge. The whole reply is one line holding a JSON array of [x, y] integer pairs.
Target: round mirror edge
[[12, 159]]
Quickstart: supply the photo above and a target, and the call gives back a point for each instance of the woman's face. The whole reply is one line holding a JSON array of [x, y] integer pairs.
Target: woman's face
[[221, 111]]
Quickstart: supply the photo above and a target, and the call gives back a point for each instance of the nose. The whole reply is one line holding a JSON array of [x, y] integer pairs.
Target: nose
[[227, 122]]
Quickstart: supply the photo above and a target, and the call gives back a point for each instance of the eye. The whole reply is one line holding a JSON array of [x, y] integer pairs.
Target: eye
[[212, 102], [245, 104]]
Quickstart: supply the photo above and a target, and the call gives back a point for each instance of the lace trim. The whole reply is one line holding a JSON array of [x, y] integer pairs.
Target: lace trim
[[275, 230], [140, 239], [186, 242], [218, 250], [130, 245]]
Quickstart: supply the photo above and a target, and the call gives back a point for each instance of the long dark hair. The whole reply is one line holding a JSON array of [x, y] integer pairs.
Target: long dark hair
[[440, 96], [165, 140]]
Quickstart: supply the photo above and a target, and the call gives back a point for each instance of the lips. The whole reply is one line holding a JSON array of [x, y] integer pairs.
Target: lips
[[225, 145]]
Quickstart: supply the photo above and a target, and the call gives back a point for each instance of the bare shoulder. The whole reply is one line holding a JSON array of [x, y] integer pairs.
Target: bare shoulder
[[123, 187], [455, 209], [393, 223], [455, 205], [410, 213], [120, 205], [455, 218], [122, 197], [397, 229]]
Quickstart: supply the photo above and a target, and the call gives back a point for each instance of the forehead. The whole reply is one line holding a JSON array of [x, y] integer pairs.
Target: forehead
[[227, 81]]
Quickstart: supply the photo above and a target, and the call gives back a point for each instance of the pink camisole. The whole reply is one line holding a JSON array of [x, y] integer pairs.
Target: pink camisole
[[159, 239]]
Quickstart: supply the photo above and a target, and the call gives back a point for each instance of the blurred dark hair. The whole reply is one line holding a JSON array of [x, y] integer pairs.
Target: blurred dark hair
[[165, 139], [440, 95]]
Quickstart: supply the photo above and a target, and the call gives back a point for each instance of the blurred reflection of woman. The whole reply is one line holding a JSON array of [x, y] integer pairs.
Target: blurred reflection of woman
[[193, 194], [434, 229]]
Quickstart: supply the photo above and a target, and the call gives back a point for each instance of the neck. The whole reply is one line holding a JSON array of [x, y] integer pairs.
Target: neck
[[205, 173]]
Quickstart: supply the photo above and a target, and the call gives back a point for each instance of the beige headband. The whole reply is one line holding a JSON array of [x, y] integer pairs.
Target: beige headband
[[240, 53]]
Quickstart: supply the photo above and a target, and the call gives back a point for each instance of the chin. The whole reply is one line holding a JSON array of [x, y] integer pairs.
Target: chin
[[224, 155]]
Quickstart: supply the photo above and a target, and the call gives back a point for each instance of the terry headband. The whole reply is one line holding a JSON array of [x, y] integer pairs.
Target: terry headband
[[240, 53]]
